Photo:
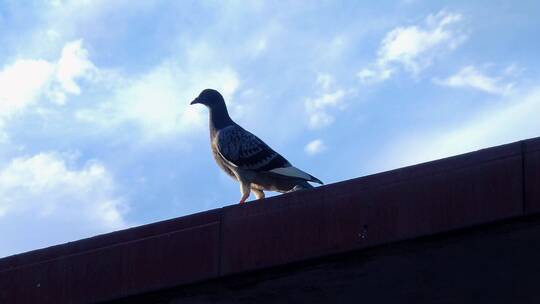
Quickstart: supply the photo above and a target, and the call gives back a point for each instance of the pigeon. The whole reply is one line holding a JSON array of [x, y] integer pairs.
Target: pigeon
[[245, 157]]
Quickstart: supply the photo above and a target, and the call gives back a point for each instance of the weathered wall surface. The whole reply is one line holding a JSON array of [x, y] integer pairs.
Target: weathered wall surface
[[496, 263], [357, 218]]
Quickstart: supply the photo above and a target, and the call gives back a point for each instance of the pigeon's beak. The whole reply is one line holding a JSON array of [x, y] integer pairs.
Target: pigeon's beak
[[196, 100]]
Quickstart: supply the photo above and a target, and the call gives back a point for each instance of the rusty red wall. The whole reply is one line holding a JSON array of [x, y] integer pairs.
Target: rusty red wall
[[482, 187]]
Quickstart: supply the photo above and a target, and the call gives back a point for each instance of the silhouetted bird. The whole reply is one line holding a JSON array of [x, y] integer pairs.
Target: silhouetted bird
[[245, 157]]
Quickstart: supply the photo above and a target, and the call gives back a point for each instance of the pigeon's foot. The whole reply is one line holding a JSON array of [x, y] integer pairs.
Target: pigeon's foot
[[244, 188], [244, 198], [301, 186], [296, 188]]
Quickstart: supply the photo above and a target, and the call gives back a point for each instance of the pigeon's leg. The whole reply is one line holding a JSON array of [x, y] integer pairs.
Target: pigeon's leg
[[246, 190], [258, 193]]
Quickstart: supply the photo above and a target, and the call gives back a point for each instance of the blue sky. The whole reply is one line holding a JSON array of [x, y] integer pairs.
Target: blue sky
[[96, 133]]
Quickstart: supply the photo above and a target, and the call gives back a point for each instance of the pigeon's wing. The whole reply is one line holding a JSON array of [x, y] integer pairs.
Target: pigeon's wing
[[240, 148], [246, 151]]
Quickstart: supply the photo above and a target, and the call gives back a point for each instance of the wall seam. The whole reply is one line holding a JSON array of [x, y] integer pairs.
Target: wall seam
[[524, 208], [220, 243]]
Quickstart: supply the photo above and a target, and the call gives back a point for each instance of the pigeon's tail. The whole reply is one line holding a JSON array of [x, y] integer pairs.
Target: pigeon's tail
[[315, 180], [294, 172]]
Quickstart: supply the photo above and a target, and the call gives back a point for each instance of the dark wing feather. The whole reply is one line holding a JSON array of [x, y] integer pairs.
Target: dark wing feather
[[246, 151]]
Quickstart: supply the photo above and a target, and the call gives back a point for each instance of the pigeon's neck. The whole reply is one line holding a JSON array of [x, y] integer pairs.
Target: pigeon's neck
[[219, 118]]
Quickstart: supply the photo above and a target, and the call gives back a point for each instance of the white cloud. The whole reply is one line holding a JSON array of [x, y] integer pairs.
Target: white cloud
[[21, 83], [405, 44], [333, 49], [329, 98], [257, 45], [471, 77], [315, 147], [325, 81], [515, 119], [414, 47], [317, 108], [47, 201], [158, 101], [25, 81], [513, 70], [73, 65], [367, 75]]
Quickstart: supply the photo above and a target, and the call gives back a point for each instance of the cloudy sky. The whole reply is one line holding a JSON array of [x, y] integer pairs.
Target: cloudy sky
[[96, 133]]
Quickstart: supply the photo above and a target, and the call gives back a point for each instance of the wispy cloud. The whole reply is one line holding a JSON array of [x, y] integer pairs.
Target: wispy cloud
[[374, 75], [158, 101], [44, 192], [471, 77], [329, 98], [513, 120], [414, 47], [315, 147]]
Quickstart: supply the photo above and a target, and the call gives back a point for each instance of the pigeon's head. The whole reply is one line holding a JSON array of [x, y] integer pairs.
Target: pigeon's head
[[210, 98]]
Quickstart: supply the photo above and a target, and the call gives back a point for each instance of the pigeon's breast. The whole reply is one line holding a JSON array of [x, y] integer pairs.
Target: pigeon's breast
[[220, 161]]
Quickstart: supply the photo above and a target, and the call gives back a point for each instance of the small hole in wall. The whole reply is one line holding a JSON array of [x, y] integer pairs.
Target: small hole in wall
[[363, 233]]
